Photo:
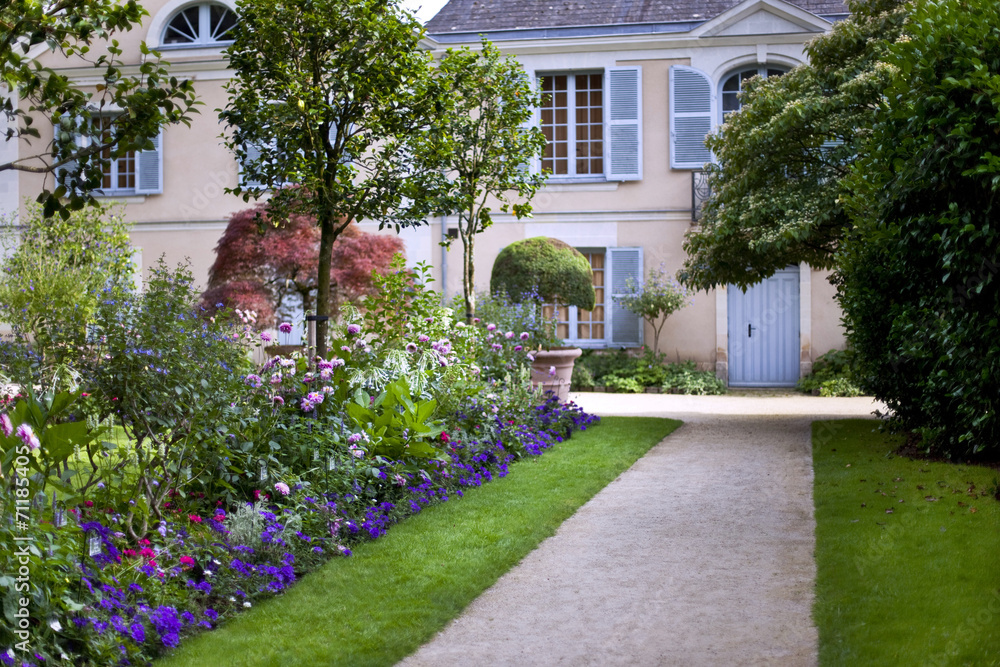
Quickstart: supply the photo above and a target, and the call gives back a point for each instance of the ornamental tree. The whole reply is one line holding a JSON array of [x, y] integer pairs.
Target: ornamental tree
[[918, 278], [483, 141], [81, 30], [777, 185], [545, 269], [659, 297], [264, 266], [332, 95]]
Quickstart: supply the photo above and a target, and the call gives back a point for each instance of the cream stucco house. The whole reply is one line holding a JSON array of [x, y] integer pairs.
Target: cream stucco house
[[631, 90]]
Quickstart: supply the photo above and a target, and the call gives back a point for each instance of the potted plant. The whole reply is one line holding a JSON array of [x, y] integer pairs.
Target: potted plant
[[546, 270]]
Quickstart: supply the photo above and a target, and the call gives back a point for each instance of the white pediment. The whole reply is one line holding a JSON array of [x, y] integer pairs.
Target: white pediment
[[761, 23], [762, 17]]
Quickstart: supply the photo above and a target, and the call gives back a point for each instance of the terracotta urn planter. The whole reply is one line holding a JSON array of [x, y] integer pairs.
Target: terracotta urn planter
[[553, 370]]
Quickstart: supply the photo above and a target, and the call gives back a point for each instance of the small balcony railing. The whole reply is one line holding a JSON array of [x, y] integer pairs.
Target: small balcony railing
[[700, 193]]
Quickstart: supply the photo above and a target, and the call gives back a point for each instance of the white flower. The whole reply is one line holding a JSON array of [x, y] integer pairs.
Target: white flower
[[247, 605]]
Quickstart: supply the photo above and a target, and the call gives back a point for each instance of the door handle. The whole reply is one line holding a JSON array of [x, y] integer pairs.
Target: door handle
[[749, 331]]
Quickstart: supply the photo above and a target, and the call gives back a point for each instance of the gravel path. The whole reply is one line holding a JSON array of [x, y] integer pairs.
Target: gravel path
[[700, 554]]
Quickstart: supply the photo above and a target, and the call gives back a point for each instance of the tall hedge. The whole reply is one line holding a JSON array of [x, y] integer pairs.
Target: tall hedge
[[918, 279], [549, 268]]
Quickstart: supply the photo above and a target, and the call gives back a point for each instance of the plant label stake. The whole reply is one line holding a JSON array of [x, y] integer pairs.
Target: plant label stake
[[263, 471], [94, 545]]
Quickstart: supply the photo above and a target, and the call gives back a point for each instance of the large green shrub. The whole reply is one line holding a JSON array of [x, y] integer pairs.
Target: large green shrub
[[52, 279], [918, 281], [550, 268]]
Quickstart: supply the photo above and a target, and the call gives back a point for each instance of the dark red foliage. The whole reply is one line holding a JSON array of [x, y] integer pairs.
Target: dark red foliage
[[259, 265]]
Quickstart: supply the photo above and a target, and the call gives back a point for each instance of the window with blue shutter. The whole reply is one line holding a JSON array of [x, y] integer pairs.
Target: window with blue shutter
[[626, 327], [625, 123], [690, 117], [149, 169]]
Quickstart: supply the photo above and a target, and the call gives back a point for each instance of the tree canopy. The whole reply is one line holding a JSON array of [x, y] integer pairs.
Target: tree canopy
[[144, 98], [331, 95], [482, 140], [776, 186]]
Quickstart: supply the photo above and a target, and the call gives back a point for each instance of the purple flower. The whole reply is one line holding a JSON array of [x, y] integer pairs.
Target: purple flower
[[167, 624], [212, 614], [5, 425], [278, 400], [353, 329], [337, 363], [266, 337], [285, 327], [410, 347], [491, 327], [324, 365], [423, 338], [314, 397], [524, 335], [254, 381], [306, 405], [518, 348], [28, 436], [354, 437]]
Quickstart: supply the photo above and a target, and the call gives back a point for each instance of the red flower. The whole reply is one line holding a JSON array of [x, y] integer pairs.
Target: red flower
[[186, 560], [194, 518], [88, 503], [144, 543], [146, 552], [444, 437]]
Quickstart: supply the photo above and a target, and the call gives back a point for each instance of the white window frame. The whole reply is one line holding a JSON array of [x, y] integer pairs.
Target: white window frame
[[204, 27], [571, 75]]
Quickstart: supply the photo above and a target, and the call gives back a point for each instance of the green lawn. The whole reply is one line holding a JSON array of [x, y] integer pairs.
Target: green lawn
[[392, 596], [908, 554]]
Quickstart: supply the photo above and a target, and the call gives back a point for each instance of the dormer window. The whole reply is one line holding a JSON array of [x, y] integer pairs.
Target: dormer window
[[206, 24]]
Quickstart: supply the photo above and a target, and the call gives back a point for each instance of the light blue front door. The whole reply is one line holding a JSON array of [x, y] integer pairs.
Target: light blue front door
[[764, 332]]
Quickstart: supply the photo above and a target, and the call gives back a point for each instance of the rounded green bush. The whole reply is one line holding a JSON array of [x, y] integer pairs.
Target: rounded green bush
[[545, 269]]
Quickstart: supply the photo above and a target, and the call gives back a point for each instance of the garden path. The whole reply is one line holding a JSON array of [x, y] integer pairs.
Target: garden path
[[700, 554]]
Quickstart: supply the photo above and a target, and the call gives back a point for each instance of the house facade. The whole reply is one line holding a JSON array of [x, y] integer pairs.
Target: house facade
[[631, 89]]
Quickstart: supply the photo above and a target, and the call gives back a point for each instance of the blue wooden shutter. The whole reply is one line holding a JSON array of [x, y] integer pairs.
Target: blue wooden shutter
[[626, 327], [149, 168], [690, 117], [253, 155], [625, 123]]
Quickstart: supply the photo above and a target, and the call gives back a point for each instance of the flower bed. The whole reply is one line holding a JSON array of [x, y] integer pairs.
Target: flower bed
[[168, 484]]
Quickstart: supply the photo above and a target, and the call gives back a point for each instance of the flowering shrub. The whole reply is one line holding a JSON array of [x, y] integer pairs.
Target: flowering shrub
[[185, 484]]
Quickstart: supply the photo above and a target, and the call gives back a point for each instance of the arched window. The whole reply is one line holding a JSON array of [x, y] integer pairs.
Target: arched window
[[733, 86], [200, 25]]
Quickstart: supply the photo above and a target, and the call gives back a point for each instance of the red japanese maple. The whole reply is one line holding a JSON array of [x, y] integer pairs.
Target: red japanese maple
[[263, 266]]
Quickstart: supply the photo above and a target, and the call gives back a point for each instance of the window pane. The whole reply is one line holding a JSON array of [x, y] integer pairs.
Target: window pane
[[183, 29], [221, 23]]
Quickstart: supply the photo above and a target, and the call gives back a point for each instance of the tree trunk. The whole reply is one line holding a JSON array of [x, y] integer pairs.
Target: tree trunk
[[326, 239], [468, 275]]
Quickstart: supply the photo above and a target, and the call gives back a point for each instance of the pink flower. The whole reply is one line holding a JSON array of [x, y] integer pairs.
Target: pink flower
[[518, 348], [278, 400], [353, 329], [282, 488], [314, 397], [423, 338], [285, 327], [194, 518], [5, 425], [524, 335], [186, 560], [337, 363], [509, 335], [552, 371], [28, 436], [491, 327], [88, 503], [266, 337]]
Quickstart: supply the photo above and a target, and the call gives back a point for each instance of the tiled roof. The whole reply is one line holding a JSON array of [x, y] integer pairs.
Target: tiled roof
[[487, 15]]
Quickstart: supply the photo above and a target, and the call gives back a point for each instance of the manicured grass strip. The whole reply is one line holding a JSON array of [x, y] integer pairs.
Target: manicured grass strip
[[381, 604], [907, 554]]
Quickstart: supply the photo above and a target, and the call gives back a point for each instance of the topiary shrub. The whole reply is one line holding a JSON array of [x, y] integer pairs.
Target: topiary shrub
[[548, 267]]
